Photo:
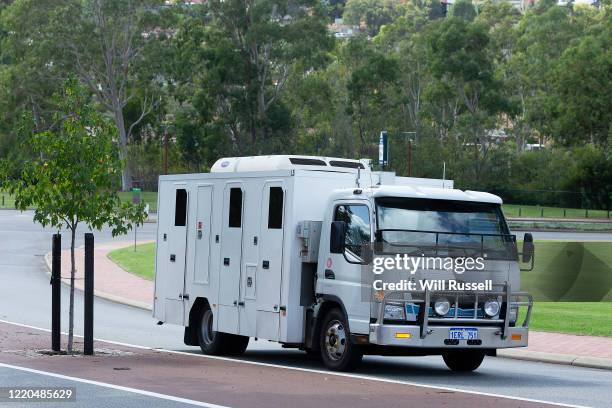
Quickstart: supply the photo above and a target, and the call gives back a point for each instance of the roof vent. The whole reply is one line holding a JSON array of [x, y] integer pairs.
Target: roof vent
[[307, 162], [346, 164]]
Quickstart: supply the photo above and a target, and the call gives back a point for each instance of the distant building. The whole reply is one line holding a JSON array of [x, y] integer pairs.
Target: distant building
[[341, 30]]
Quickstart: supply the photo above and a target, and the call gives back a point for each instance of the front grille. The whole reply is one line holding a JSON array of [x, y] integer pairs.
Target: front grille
[[463, 311]]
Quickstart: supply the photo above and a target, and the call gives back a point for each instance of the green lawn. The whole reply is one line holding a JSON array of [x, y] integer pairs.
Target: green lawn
[[585, 318], [560, 225], [149, 197], [570, 272], [140, 262], [535, 211], [6, 200]]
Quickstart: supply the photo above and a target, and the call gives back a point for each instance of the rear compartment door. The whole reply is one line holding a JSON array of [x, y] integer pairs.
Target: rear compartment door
[[175, 237], [269, 269], [231, 258]]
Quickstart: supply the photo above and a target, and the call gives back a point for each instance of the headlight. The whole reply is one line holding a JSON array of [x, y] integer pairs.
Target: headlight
[[491, 308], [442, 306], [394, 312]]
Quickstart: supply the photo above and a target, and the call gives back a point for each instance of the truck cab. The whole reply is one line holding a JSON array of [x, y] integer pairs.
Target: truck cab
[[462, 326]]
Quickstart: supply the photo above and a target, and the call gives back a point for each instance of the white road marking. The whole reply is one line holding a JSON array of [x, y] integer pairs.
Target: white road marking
[[116, 387], [315, 371]]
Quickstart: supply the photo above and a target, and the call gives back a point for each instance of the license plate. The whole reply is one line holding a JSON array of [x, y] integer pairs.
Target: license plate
[[463, 333]]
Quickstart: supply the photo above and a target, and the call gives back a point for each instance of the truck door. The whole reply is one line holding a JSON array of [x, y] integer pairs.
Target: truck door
[[174, 286], [342, 272], [231, 258], [269, 270]]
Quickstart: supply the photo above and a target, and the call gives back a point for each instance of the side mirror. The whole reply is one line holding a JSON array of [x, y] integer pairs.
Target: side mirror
[[528, 247], [336, 238]]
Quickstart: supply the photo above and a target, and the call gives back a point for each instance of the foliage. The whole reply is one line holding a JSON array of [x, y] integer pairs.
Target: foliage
[[473, 88]]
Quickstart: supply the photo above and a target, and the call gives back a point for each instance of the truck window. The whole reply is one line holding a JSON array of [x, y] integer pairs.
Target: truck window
[[180, 208], [275, 208], [357, 219], [235, 208], [461, 228]]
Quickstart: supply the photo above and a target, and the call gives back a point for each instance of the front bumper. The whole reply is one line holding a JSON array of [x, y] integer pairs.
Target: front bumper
[[429, 332], [410, 336]]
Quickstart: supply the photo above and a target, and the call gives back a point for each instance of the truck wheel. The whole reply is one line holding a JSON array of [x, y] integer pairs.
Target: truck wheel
[[463, 360], [337, 352], [211, 342]]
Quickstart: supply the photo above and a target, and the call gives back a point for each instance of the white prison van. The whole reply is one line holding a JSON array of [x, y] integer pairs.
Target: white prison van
[[274, 247]]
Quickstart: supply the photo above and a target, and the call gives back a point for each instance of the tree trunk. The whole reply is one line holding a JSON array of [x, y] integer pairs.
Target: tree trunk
[[72, 275], [126, 173]]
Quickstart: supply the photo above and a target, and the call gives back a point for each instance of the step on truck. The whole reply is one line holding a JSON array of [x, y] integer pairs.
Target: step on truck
[[275, 248]]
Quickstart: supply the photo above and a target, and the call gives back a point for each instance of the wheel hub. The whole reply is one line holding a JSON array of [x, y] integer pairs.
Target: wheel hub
[[335, 340]]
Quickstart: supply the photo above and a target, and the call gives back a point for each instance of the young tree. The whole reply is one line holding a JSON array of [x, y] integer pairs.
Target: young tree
[[73, 178]]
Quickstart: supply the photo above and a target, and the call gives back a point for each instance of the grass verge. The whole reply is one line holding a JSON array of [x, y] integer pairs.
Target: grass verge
[[140, 262], [536, 211], [560, 226], [149, 197], [583, 318]]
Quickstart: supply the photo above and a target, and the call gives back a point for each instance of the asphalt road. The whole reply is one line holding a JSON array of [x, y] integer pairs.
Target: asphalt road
[[86, 395], [25, 298]]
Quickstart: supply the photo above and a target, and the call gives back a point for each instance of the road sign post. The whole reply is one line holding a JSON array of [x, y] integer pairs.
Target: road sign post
[[383, 149], [56, 292], [136, 199], [89, 295]]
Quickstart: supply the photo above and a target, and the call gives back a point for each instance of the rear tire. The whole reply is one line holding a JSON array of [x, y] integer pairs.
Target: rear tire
[[216, 343], [463, 361], [211, 342], [337, 351]]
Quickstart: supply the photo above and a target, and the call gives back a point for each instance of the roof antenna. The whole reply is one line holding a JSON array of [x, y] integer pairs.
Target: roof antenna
[[443, 174]]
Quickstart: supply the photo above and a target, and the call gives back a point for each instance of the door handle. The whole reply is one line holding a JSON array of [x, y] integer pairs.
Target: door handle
[[241, 303], [266, 264], [226, 261], [329, 274], [235, 303], [172, 257]]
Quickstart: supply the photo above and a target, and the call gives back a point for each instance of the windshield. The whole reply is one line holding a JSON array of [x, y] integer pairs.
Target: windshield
[[444, 227]]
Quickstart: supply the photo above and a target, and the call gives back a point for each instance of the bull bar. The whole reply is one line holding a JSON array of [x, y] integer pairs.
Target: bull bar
[[495, 330]]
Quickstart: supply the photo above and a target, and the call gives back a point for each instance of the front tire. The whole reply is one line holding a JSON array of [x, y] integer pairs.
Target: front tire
[[463, 361], [337, 351], [216, 343]]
